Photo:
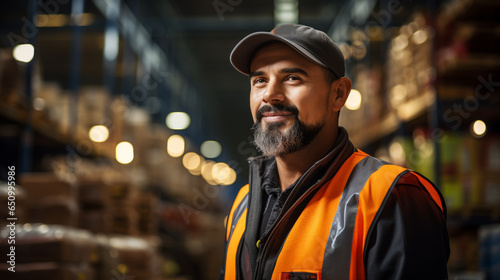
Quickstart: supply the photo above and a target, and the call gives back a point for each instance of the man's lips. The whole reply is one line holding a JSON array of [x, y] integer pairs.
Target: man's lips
[[276, 116], [276, 113]]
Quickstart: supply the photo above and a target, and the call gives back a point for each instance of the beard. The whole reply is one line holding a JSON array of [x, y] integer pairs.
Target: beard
[[271, 141]]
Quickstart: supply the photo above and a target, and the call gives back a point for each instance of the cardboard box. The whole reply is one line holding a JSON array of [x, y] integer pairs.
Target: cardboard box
[[50, 200], [124, 221], [18, 202], [134, 253], [96, 220], [94, 193], [50, 243], [39, 185], [54, 211]]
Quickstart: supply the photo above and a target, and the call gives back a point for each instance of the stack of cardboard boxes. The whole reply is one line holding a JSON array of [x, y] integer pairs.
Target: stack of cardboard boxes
[[85, 229], [50, 200], [49, 252]]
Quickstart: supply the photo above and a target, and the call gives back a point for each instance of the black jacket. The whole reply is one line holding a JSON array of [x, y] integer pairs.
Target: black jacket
[[409, 240]]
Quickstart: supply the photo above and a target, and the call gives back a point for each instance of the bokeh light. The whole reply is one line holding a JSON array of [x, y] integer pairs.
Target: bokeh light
[[175, 146], [23, 52], [478, 128], [178, 120], [211, 149], [124, 152], [98, 133], [353, 102]]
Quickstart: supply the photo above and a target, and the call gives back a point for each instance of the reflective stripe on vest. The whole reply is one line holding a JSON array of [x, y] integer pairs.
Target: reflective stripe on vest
[[235, 229], [239, 205]]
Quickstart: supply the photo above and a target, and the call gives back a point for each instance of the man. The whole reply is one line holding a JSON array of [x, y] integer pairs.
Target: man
[[316, 207]]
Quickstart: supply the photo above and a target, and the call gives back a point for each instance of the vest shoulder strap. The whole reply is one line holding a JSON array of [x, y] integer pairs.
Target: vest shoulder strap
[[239, 204]]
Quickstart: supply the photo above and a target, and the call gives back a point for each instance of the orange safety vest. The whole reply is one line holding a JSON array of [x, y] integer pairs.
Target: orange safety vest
[[334, 225]]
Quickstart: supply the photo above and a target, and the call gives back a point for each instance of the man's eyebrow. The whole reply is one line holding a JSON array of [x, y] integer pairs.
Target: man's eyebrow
[[294, 70], [256, 73], [284, 70]]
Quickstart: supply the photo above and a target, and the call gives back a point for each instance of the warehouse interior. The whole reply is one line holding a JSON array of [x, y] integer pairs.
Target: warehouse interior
[[126, 130]]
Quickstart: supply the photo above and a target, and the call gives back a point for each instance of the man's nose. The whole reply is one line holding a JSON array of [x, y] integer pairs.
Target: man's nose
[[274, 93]]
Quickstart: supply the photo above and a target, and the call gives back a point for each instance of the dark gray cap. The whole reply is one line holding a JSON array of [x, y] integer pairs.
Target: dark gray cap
[[311, 43]]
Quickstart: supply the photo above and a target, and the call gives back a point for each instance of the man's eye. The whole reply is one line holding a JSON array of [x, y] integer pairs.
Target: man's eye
[[292, 78], [258, 81]]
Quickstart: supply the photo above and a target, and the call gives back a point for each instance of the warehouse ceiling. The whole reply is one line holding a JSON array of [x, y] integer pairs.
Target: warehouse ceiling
[[204, 38], [196, 38]]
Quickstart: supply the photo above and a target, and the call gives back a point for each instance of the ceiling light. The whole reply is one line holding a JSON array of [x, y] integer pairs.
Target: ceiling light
[[353, 102], [231, 178], [124, 152], [175, 146], [178, 120], [23, 52], [98, 133], [191, 161], [478, 128], [220, 172], [206, 172], [211, 149], [286, 11]]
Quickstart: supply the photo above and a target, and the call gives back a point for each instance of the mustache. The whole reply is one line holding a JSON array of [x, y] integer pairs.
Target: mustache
[[276, 109]]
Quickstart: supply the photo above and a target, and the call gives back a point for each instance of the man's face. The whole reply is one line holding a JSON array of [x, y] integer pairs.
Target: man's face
[[289, 100]]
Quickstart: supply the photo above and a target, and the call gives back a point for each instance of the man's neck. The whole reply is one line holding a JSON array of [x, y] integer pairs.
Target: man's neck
[[292, 166]]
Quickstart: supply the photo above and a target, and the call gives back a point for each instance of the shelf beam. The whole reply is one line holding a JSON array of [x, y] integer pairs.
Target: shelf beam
[[27, 139]]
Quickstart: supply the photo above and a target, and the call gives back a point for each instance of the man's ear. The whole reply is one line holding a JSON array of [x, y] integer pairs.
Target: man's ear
[[342, 88]]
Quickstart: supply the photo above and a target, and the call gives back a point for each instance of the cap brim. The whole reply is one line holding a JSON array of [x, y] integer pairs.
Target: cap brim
[[242, 54]]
